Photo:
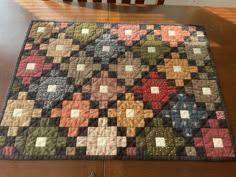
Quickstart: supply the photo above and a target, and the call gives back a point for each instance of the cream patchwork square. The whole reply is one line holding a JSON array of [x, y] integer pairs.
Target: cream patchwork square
[[155, 90], [30, 66], [74, 113], [206, 91], [129, 68], [52, 88], [218, 143], [190, 151], [128, 32], [41, 29], [103, 89], [200, 34], [17, 112], [177, 69], [171, 33], [151, 49], [102, 122], [80, 67], [121, 141], [101, 141], [150, 27], [59, 47], [85, 31], [197, 51], [41, 142], [81, 141], [129, 113], [160, 142], [184, 114], [106, 48]]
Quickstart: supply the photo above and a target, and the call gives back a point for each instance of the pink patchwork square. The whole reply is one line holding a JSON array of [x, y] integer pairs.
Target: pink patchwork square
[[131, 151], [7, 150], [220, 114]]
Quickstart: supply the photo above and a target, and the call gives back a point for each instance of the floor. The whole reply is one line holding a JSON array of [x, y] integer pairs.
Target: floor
[[220, 25]]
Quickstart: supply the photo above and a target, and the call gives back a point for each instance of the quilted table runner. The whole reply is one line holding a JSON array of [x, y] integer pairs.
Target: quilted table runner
[[115, 91]]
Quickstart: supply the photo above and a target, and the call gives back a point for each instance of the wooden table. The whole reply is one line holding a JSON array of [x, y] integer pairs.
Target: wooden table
[[220, 25]]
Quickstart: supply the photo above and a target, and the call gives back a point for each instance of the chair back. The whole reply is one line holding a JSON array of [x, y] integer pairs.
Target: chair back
[[146, 2]]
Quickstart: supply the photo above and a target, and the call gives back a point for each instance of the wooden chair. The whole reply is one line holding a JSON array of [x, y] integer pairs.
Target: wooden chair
[[147, 2]]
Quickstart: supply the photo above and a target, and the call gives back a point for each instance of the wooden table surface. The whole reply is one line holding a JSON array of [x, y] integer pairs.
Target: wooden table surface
[[220, 23]]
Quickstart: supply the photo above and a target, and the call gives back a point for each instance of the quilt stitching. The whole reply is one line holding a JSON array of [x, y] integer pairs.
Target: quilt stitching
[[115, 91]]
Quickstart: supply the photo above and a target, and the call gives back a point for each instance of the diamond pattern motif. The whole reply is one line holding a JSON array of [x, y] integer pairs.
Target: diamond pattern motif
[[115, 91]]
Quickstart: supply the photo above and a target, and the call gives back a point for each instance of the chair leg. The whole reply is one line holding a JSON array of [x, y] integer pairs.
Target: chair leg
[[161, 2], [92, 174]]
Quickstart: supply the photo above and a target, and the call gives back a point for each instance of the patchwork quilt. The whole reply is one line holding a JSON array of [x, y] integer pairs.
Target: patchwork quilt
[[115, 91]]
